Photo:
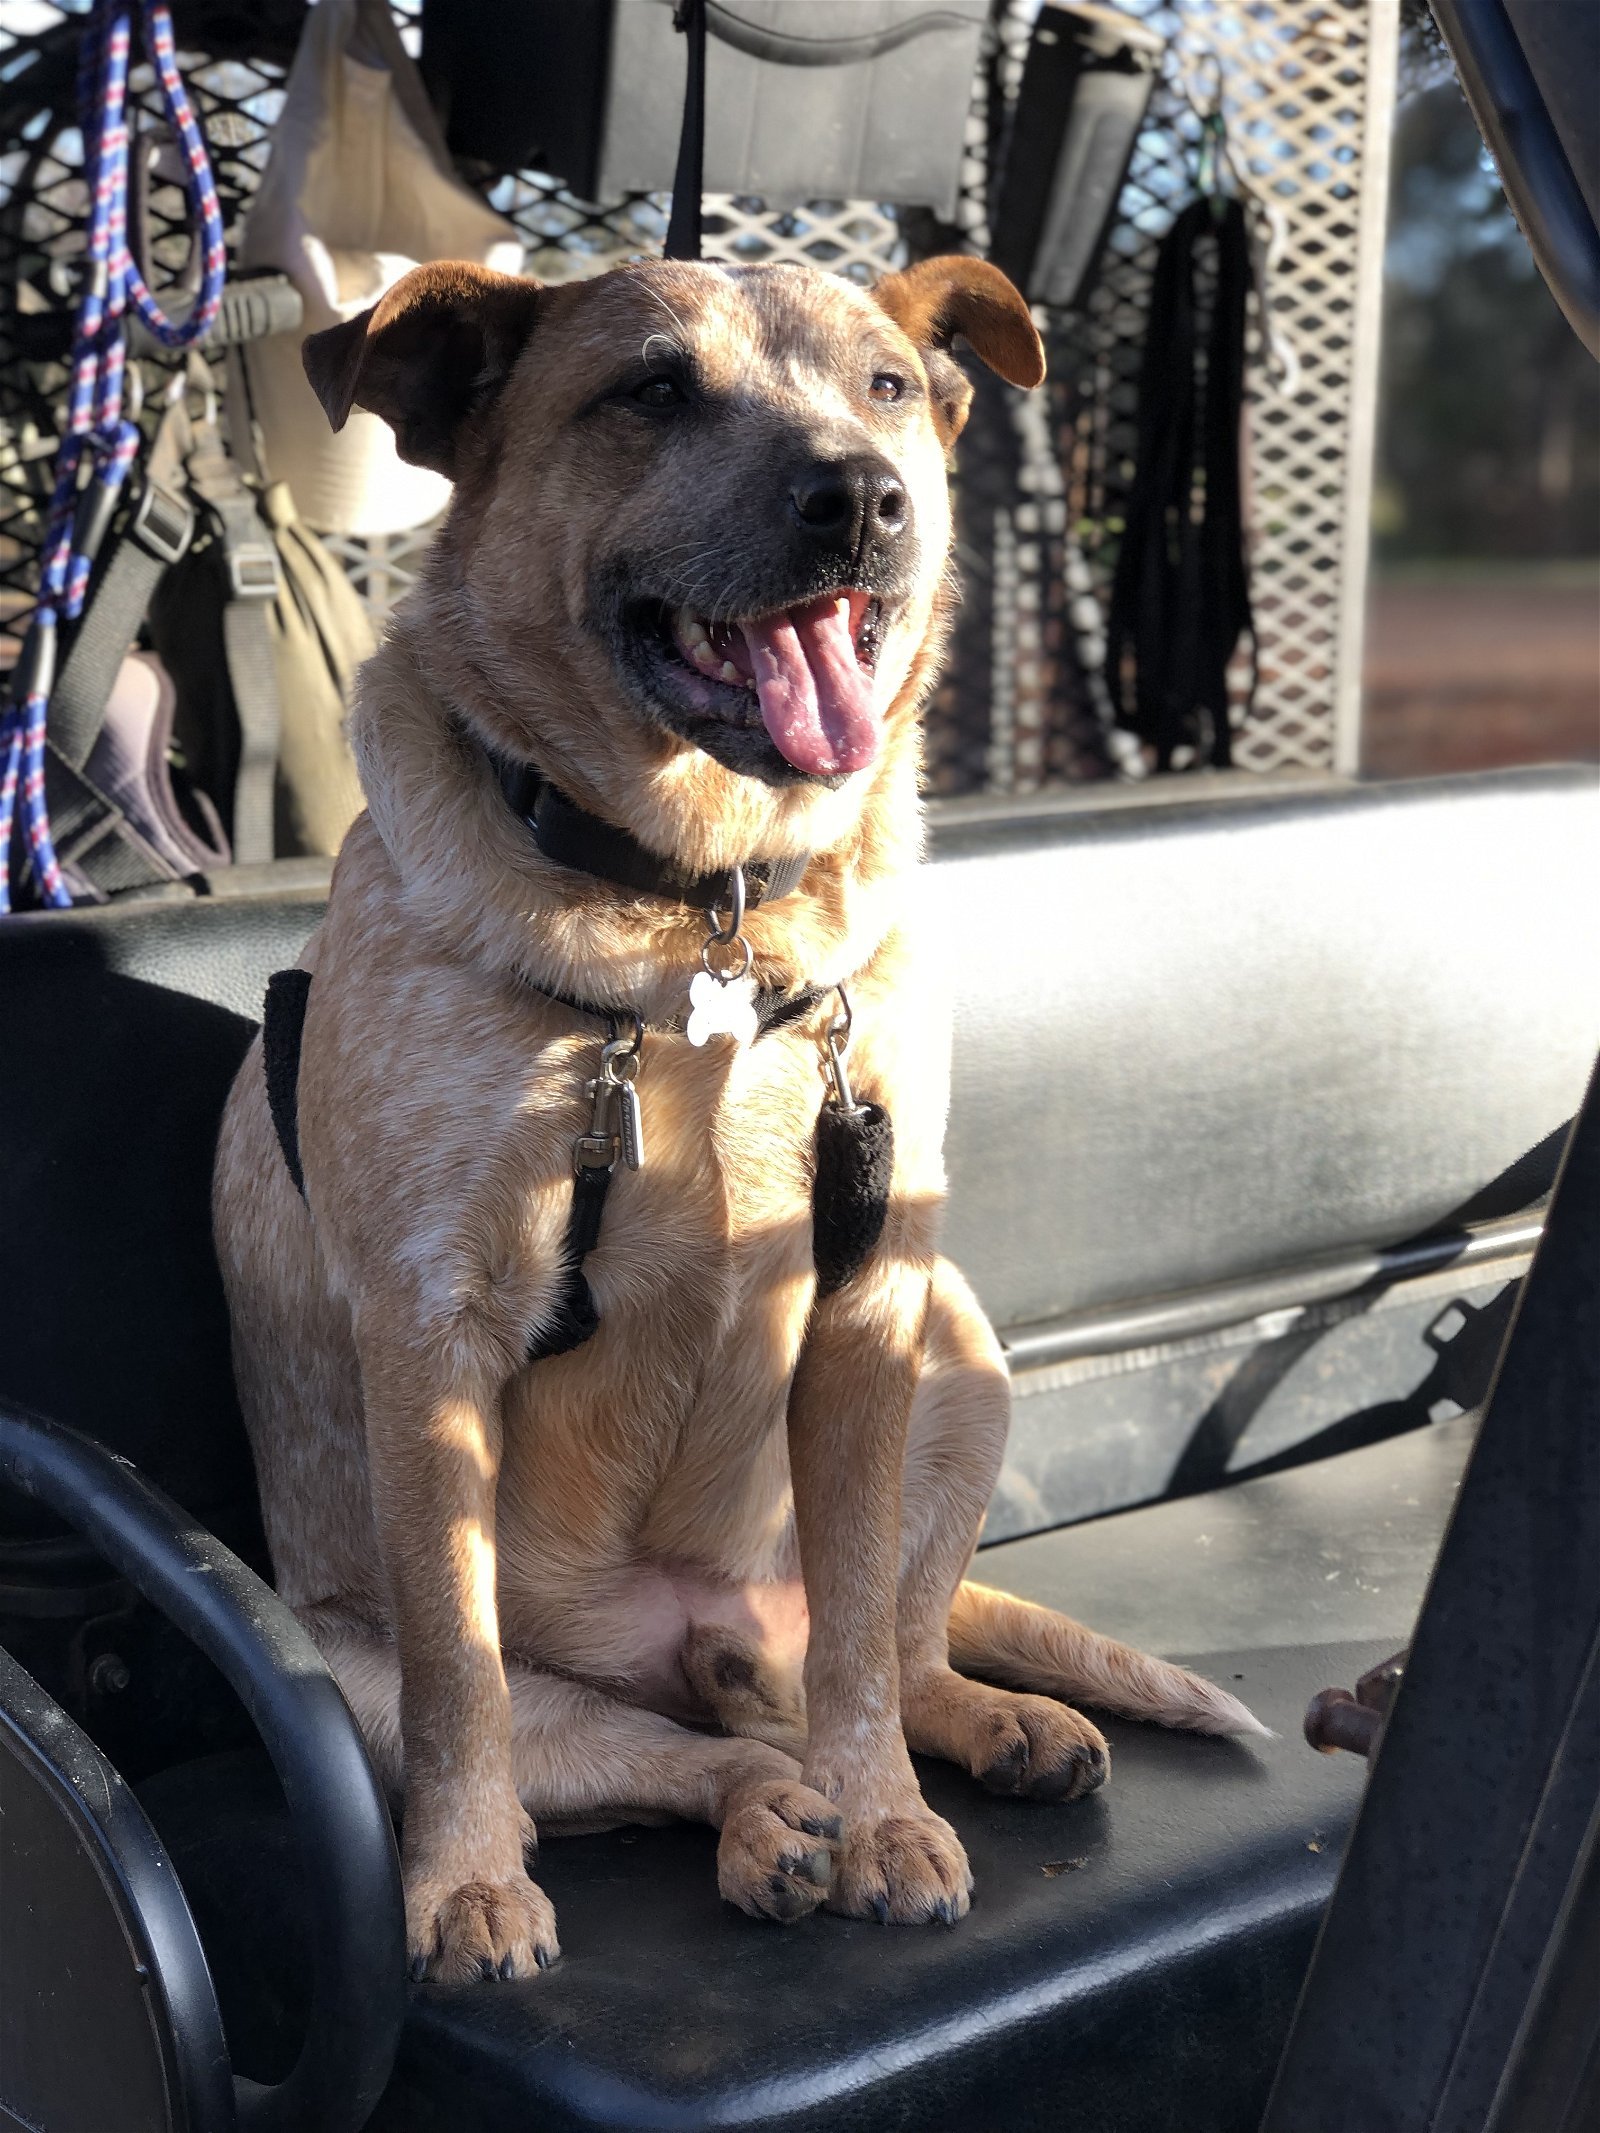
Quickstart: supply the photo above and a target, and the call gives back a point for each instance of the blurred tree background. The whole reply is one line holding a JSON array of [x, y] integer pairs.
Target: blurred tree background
[[1489, 426], [1483, 622]]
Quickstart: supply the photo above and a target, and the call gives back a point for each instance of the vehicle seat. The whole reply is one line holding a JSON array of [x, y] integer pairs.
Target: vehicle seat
[[1208, 1047]]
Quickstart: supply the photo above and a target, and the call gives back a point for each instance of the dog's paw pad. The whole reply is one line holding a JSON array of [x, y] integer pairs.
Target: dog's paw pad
[[775, 1858]]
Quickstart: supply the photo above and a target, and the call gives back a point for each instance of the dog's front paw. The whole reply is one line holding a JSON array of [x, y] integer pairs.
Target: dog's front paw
[[776, 1854], [907, 1868], [479, 1929]]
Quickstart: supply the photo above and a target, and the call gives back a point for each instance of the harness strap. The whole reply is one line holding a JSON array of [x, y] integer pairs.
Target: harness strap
[[91, 834], [849, 1238], [576, 1317], [283, 1025], [250, 563], [157, 536]]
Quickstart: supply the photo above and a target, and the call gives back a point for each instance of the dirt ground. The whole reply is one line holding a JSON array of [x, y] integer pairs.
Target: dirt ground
[[1472, 670]]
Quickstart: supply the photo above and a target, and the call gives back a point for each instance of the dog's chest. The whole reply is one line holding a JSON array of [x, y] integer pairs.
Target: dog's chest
[[714, 1228]]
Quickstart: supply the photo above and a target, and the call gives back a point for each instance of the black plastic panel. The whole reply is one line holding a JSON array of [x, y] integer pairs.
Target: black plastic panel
[[108, 2023]]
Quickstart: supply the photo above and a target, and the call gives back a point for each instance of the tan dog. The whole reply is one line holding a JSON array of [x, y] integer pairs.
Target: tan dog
[[709, 1562]]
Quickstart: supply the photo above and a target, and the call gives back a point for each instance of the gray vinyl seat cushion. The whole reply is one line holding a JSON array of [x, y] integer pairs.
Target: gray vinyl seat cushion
[[1198, 1038]]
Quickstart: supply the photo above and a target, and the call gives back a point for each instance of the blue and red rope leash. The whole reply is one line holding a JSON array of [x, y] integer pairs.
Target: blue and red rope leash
[[100, 442]]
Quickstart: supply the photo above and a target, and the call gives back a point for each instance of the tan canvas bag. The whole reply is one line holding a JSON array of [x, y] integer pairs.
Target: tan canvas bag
[[357, 190]]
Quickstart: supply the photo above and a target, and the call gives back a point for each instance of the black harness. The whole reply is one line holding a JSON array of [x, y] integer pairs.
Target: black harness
[[854, 1151]]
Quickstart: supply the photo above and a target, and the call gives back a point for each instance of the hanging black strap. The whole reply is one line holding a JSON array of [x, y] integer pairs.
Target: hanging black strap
[[683, 227], [1180, 597]]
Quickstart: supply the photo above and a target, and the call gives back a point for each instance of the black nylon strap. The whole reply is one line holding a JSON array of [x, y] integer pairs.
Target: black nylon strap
[[576, 1318], [683, 226], [572, 837], [283, 1023]]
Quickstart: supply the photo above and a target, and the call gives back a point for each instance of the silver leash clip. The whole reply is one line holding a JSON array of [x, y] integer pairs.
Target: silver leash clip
[[616, 1126], [835, 1048]]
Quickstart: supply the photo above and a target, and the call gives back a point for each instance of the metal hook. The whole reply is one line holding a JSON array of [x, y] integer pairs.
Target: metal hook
[[836, 1044], [1205, 106], [735, 925]]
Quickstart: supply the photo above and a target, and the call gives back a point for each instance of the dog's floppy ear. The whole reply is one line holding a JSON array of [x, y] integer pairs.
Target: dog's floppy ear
[[939, 298], [432, 351]]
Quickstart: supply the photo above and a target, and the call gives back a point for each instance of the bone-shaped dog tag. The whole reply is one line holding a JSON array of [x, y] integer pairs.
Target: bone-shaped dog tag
[[721, 1007]]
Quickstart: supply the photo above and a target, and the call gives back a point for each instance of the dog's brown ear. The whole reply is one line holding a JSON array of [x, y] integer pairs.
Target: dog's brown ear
[[939, 298], [433, 350]]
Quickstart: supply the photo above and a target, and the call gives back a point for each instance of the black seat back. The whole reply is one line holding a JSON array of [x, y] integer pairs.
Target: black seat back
[[123, 1029]]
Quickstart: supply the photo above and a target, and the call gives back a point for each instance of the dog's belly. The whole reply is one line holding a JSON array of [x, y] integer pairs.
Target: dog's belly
[[627, 1628]]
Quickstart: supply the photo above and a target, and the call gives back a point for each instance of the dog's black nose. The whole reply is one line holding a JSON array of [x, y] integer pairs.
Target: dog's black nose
[[850, 504]]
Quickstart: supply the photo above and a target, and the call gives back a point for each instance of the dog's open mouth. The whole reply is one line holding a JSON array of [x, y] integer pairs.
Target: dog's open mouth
[[805, 673]]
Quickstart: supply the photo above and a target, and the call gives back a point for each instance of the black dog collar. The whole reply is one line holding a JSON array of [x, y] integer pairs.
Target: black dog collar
[[571, 837]]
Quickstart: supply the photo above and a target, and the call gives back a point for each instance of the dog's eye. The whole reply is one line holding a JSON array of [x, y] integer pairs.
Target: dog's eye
[[886, 386], [659, 391]]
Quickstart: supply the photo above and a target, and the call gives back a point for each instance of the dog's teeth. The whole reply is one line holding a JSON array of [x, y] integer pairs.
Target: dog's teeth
[[704, 657], [691, 629], [730, 672]]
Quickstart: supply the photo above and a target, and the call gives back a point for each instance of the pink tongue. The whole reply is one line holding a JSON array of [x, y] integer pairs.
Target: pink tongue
[[815, 701]]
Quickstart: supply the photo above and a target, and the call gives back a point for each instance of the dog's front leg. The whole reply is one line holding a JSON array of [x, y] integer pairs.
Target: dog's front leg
[[433, 1437], [849, 1411]]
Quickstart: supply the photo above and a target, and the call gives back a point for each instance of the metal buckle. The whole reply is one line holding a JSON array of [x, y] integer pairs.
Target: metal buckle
[[252, 571], [162, 524]]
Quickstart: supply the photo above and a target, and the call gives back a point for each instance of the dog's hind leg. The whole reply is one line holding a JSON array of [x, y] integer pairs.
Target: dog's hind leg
[[1010, 1743], [1013, 1728], [581, 1756]]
